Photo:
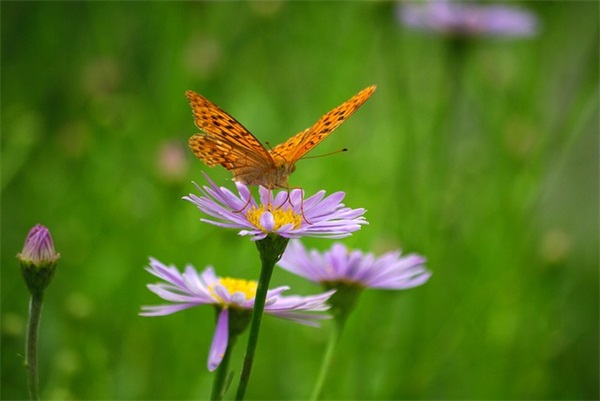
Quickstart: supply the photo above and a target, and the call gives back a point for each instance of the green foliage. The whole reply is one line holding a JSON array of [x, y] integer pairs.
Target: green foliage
[[483, 160]]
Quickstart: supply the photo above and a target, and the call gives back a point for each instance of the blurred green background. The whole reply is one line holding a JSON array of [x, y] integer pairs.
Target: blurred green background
[[482, 156]]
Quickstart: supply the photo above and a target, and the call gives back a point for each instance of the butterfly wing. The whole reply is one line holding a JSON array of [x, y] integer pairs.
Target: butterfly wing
[[300, 144], [223, 140]]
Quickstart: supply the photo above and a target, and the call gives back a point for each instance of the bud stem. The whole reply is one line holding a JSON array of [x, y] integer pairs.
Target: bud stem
[[31, 357]]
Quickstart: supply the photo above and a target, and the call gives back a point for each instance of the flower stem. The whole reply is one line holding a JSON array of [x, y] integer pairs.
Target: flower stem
[[271, 248], [221, 378], [327, 359], [31, 356]]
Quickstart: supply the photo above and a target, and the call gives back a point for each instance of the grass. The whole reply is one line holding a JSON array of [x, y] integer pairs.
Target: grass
[[483, 160]]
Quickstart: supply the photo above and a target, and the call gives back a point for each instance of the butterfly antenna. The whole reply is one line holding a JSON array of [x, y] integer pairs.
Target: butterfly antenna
[[326, 154]]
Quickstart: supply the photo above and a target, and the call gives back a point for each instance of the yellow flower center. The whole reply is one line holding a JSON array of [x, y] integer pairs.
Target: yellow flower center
[[233, 285], [281, 216]]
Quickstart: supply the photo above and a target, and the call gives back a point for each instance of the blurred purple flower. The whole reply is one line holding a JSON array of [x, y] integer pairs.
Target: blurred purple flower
[[232, 297], [467, 19], [171, 161], [286, 214], [389, 271]]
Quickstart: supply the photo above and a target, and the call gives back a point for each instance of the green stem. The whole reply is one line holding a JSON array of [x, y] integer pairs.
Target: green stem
[[221, 383], [271, 248], [259, 305], [31, 356], [327, 359]]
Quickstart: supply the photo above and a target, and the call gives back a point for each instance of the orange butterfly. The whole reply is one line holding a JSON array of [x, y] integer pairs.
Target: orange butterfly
[[225, 141]]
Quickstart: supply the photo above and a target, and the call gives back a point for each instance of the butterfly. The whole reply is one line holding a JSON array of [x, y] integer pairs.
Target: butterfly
[[224, 141]]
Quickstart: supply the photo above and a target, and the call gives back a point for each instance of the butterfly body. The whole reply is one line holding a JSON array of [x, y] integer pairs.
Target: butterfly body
[[224, 141], [273, 176]]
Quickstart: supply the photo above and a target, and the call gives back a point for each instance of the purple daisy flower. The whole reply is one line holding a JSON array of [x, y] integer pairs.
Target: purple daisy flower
[[390, 271], [232, 297], [461, 19], [284, 213]]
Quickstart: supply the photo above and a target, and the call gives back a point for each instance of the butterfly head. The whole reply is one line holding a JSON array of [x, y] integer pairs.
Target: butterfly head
[[282, 172]]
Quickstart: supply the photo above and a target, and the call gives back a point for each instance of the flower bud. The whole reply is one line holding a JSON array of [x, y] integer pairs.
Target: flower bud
[[38, 259]]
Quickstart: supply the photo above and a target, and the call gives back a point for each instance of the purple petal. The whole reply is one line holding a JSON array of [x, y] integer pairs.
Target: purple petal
[[267, 221], [162, 310], [219, 342]]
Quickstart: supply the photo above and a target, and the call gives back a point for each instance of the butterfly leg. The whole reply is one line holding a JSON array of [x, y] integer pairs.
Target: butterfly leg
[[289, 199], [245, 205], [302, 211]]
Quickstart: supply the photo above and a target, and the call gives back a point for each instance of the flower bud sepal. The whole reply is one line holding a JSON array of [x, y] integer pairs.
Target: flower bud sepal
[[37, 276]]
